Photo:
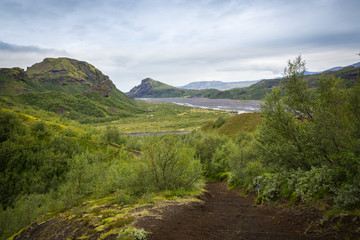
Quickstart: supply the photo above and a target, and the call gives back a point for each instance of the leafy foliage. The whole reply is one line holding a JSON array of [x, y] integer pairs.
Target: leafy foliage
[[307, 146], [132, 234], [167, 164]]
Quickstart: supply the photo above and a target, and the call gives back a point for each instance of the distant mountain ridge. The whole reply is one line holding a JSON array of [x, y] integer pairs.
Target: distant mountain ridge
[[219, 85], [333, 69], [66, 86]]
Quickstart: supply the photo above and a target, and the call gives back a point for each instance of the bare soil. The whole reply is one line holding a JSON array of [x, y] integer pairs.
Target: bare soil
[[221, 214], [227, 215]]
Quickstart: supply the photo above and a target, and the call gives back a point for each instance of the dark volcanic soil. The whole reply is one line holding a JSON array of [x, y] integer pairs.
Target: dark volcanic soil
[[226, 215], [221, 214]]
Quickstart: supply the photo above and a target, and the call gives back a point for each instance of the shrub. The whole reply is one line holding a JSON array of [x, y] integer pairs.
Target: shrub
[[306, 186], [131, 233], [112, 134], [270, 187], [348, 196], [166, 164], [26, 210], [219, 122], [219, 162], [122, 198], [315, 183]]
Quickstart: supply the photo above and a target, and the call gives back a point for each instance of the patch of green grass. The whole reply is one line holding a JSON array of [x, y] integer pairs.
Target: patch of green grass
[[120, 222], [234, 125], [159, 117]]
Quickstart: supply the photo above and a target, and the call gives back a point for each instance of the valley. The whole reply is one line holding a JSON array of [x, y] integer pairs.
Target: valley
[[150, 88], [285, 169]]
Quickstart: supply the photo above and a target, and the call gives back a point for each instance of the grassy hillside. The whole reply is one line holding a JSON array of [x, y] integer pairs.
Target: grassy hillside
[[70, 76], [67, 87], [234, 126], [14, 81]]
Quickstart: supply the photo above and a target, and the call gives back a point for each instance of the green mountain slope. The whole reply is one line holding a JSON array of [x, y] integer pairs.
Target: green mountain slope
[[15, 81], [68, 87], [70, 76], [258, 90]]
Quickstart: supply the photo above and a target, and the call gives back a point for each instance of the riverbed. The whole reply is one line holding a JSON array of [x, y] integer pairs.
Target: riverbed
[[239, 106]]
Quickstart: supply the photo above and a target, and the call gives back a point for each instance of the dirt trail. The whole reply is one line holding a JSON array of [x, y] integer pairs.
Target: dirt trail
[[226, 215]]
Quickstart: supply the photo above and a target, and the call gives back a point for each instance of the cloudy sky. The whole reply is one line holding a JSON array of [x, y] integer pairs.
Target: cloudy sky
[[181, 41]]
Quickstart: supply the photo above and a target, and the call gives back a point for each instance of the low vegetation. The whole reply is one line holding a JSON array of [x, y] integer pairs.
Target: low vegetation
[[46, 167], [163, 117]]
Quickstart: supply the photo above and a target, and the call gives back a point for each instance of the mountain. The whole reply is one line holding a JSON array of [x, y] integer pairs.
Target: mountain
[[70, 76], [219, 85], [72, 88], [258, 90], [14, 81], [355, 65], [333, 69], [155, 89]]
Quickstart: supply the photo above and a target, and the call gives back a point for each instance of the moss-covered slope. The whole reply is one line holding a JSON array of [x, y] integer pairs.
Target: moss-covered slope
[[14, 81], [72, 88], [70, 76]]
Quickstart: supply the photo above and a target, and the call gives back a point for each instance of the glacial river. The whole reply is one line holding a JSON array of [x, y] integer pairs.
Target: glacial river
[[239, 106]]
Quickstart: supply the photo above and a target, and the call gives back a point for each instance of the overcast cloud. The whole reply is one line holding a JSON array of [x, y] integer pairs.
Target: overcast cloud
[[181, 41]]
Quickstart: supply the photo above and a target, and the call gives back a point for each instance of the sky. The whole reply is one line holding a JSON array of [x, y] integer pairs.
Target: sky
[[181, 41]]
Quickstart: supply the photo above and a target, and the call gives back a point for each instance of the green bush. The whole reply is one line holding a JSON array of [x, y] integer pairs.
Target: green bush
[[270, 187], [219, 162], [206, 147], [112, 134], [134, 143], [131, 233], [314, 184], [348, 196], [166, 163], [121, 197], [306, 186], [26, 210], [219, 122], [10, 125]]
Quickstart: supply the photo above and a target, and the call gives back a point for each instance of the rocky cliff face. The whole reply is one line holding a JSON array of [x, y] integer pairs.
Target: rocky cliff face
[[142, 89], [152, 88]]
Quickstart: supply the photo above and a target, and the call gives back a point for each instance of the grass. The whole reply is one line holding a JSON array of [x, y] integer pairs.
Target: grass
[[235, 125], [159, 117]]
